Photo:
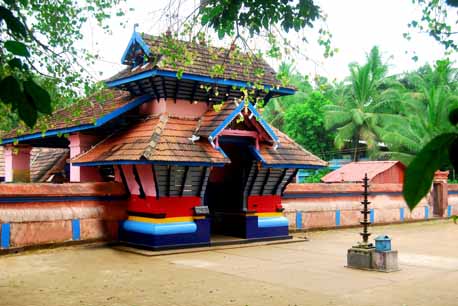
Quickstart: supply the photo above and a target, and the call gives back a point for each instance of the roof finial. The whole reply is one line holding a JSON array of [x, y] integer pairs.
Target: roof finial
[[135, 27]]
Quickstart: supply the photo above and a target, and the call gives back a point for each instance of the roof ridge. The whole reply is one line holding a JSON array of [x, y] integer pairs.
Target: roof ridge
[[155, 137]]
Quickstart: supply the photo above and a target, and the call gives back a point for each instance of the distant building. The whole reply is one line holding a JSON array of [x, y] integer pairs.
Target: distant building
[[377, 172]]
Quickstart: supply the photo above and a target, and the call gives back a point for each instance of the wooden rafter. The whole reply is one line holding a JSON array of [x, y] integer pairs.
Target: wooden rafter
[[123, 179], [278, 184], [266, 179], [183, 181], [139, 182], [169, 178], [289, 180], [193, 93], [156, 183], [164, 88], [156, 93], [255, 175]]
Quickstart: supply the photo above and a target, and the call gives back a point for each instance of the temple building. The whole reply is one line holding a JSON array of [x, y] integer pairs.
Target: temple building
[[178, 130]]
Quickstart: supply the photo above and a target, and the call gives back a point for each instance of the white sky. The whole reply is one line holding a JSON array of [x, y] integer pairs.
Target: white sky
[[356, 26]]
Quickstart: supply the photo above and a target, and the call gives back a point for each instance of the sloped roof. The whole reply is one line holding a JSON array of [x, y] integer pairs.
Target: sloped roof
[[213, 118], [166, 138], [43, 162], [355, 171], [237, 66], [86, 112], [288, 153], [157, 139]]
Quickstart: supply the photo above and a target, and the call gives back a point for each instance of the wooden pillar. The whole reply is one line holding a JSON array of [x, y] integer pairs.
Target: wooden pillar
[[440, 193], [17, 163], [79, 143]]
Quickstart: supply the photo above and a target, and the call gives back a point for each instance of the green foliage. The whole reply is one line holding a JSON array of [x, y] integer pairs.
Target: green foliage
[[436, 22], [317, 175], [420, 173], [427, 102], [363, 107], [38, 49], [227, 16], [301, 116], [304, 122]]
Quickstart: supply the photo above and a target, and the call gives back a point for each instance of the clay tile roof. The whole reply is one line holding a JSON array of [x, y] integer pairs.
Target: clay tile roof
[[354, 172], [161, 138], [240, 67], [46, 161], [83, 112], [213, 118], [43, 162], [288, 153]]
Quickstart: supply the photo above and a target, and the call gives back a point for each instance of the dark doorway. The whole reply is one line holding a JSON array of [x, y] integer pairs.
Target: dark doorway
[[224, 195]]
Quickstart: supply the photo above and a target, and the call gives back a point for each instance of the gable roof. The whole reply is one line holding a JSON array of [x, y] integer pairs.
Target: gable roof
[[159, 139], [355, 171], [237, 66], [88, 114], [214, 122], [166, 139], [288, 154]]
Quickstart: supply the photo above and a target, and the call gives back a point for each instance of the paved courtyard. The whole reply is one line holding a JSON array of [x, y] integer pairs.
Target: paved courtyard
[[305, 273]]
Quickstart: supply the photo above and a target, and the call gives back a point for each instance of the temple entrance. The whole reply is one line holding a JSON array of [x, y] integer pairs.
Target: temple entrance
[[224, 195]]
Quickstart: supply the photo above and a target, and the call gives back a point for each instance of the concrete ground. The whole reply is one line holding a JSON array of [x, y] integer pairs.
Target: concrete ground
[[305, 273]]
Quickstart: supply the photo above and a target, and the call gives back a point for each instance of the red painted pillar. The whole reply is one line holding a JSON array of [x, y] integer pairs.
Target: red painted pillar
[[440, 193], [80, 143], [17, 163]]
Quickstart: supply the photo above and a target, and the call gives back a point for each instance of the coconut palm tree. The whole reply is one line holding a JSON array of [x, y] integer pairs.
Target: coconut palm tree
[[365, 106], [432, 94]]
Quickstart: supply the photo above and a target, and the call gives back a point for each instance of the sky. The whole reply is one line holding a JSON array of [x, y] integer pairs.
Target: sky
[[356, 26]]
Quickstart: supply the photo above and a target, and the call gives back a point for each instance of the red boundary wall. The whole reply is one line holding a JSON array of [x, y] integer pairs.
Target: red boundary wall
[[37, 214], [317, 206]]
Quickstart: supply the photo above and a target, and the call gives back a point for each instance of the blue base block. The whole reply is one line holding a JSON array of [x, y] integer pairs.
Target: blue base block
[[253, 230], [198, 238]]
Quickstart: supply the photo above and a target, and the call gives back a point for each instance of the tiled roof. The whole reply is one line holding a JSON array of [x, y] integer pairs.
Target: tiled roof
[[288, 153], [241, 67], [84, 112], [163, 138], [213, 118], [43, 162], [354, 172]]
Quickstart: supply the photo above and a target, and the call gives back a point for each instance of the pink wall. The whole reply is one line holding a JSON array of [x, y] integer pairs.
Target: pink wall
[[179, 108], [79, 143], [146, 176], [17, 163], [318, 204]]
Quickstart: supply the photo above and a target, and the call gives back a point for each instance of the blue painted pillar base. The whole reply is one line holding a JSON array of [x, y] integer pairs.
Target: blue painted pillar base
[[298, 219], [5, 236], [76, 230], [265, 227], [150, 236]]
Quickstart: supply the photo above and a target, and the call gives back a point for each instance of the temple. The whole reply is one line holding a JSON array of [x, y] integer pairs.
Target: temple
[[192, 151]]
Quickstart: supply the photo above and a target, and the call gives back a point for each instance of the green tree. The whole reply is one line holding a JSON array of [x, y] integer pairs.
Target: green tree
[[426, 106], [39, 39], [365, 106], [304, 122]]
